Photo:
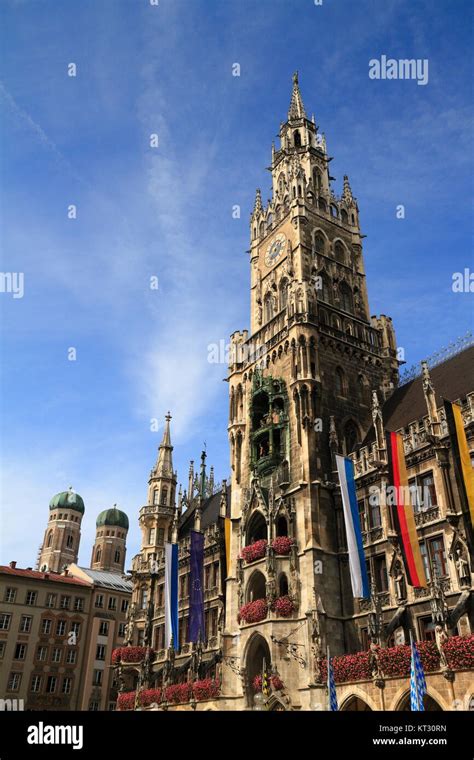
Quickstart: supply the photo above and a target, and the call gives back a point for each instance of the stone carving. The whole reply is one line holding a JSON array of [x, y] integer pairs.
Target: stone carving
[[462, 568]]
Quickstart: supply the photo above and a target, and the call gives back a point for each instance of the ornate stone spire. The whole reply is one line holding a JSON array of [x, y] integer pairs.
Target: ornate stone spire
[[430, 399], [346, 190], [191, 481], [258, 208], [164, 464], [296, 105], [378, 421]]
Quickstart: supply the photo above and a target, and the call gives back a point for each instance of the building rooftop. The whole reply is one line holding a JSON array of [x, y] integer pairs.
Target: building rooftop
[[36, 575], [209, 515], [108, 579], [453, 379]]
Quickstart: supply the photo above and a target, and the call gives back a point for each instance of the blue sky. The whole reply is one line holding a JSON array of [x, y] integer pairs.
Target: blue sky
[[167, 212]]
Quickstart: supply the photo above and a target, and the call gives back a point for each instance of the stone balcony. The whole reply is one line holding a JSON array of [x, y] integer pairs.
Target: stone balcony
[[425, 516]]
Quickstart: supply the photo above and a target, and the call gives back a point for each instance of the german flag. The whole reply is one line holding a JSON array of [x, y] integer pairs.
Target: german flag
[[462, 460], [403, 516]]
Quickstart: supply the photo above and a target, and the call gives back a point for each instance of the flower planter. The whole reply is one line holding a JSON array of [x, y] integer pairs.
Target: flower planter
[[253, 612], [126, 700], [149, 696], [129, 654], [275, 682], [281, 545], [208, 688], [396, 661], [283, 606], [178, 693], [254, 551]]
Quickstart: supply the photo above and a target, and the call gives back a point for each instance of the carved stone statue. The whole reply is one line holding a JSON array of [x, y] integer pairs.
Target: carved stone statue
[[374, 662], [400, 586], [462, 568], [441, 639]]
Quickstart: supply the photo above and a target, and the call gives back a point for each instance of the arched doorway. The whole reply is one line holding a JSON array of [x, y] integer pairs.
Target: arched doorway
[[257, 659], [429, 703], [355, 704]]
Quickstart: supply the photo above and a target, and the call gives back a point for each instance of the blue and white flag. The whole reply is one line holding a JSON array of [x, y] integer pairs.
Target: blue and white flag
[[417, 679], [332, 696], [171, 595], [358, 568]]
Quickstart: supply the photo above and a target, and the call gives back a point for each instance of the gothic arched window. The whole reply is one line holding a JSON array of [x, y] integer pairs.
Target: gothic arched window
[[340, 382], [98, 554], [316, 180], [164, 495], [318, 243], [283, 294], [50, 538], [283, 585], [351, 436], [346, 296], [69, 542], [297, 139], [344, 216], [155, 496], [268, 307], [339, 253], [117, 556]]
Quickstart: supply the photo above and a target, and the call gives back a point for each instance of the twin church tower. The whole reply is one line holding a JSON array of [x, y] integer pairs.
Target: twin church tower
[[60, 546]]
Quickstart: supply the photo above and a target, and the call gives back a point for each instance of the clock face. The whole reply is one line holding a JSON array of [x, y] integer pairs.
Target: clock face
[[275, 249]]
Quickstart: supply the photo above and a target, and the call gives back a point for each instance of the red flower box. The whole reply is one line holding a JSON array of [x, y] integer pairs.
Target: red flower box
[[126, 700], [275, 682], [282, 545], [253, 612], [283, 606], [149, 696], [208, 688], [178, 693], [254, 551], [129, 654], [396, 661], [459, 651]]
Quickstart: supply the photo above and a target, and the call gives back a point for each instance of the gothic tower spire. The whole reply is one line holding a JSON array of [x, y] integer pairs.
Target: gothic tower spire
[[296, 110], [157, 516]]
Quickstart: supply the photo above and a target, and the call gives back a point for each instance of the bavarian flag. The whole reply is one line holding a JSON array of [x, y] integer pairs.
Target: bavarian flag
[[402, 511], [462, 460]]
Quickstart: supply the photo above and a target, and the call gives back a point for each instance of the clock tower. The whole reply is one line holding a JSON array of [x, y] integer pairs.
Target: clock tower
[[300, 389]]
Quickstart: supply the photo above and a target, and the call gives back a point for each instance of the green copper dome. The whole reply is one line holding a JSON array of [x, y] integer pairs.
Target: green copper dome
[[112, 516], [68, 500]]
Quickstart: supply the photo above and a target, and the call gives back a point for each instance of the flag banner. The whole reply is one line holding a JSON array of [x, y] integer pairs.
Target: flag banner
[[357, 565], [417, 679], [171, 596], [227, 530], [332, 696], [196, 596], [402, 511], [462, 460]]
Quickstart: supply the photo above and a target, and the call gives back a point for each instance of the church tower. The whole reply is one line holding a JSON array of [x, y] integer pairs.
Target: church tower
[[60, 545], [300, 391], [156, 518], [109, 550]]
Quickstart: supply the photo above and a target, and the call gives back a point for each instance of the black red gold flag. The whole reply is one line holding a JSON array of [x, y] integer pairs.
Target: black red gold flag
[[402, 511]]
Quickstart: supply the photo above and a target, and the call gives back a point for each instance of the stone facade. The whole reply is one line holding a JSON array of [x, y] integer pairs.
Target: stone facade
[[315, 377]]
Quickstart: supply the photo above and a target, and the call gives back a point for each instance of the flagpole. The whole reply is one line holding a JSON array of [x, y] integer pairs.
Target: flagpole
[[412, 667]]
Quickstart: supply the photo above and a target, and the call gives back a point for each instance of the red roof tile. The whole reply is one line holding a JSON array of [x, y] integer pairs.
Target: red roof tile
[[36, 575]]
